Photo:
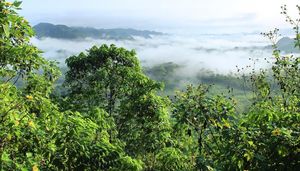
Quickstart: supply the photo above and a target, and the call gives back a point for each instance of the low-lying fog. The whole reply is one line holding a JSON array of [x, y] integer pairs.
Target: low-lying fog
[[219, 53]]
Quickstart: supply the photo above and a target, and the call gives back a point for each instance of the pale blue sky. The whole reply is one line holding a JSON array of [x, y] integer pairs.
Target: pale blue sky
[[205, 15]]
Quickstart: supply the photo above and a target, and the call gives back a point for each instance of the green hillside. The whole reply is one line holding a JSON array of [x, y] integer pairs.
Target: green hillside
[[64, 32]]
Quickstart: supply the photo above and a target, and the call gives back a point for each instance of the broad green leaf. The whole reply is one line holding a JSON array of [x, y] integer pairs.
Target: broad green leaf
[[17, 3], [6, 29]]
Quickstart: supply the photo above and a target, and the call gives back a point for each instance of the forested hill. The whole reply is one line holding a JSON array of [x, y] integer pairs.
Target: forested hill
[[287, 45], [65, 32]]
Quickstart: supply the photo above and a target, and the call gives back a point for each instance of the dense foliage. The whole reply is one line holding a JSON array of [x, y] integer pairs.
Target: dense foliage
[[111, 116]]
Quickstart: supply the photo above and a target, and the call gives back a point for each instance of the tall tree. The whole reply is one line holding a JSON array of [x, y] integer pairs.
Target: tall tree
[[102, 77], [34, 133], [111, 78]]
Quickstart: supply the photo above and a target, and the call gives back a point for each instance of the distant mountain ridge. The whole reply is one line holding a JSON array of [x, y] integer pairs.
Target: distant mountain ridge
[[287, 45], [65, 32]]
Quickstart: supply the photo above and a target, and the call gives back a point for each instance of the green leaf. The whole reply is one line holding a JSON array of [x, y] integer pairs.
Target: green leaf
[[28, 155], [6, 29], [251, 143], [248, 155], [297, 44], [17, 3], [240, 164], [5, 157]]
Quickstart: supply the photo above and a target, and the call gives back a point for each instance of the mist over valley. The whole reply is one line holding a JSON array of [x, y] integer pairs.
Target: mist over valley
[[220, 53]]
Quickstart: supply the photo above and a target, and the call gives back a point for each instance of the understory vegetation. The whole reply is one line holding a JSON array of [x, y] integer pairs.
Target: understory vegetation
[[112, 116]]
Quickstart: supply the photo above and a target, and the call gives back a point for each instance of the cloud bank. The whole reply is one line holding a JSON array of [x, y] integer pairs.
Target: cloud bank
[[219, 53]]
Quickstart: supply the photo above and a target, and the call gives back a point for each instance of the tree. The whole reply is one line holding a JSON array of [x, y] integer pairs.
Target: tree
[[264, 137], [35, 134], [102, 77], [202, 124], [24, 141], [111, 78]]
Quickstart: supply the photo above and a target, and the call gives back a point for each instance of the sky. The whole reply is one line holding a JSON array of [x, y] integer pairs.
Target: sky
[[195, 20], [205, 16]]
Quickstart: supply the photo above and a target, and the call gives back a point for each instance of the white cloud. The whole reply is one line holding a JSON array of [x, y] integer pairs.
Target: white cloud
[[214, 52]]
